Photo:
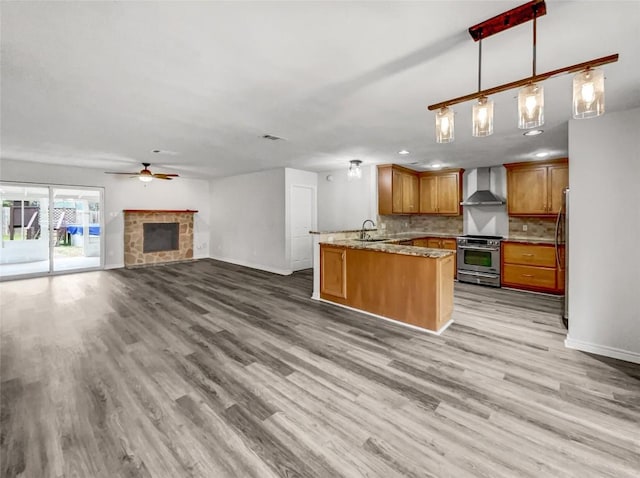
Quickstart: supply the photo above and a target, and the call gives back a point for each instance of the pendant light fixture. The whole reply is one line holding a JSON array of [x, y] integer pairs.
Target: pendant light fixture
[[531, 96], [445, 127], [588, 94], [588, 83], [482, 116], [354, 172]]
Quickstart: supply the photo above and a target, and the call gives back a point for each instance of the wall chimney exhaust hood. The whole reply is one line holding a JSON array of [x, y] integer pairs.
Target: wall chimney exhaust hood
[[483, 196]]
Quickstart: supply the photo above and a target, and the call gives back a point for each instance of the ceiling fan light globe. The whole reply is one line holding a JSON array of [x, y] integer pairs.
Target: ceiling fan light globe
[[145, 178]]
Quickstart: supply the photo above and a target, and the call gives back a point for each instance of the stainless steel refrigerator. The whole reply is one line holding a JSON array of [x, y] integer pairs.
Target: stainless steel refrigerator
[[562, 239]]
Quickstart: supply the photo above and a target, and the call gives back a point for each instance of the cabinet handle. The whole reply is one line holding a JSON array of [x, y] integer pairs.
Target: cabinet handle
[[527, 255], [526, 275]]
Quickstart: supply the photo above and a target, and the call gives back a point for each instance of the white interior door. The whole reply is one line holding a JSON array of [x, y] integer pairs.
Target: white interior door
[[302, 216]]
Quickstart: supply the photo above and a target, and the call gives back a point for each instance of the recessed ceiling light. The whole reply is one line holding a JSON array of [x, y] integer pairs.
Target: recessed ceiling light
[[404, 151], [533, 132], [541, 155], [436, 166]]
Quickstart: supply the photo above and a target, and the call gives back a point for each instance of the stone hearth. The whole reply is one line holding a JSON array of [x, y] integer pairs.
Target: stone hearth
[[134, 255]]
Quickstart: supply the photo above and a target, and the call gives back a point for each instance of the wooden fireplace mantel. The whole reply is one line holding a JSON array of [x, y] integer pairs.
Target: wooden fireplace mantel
[[162, 211]]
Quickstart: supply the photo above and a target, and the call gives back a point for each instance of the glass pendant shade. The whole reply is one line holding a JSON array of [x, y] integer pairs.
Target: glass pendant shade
[[444, 126], [588, 94], [354, 171], [483, 117], [531, 106]]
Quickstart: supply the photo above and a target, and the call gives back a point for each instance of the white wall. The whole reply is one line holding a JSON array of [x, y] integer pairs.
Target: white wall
[[604, 233], [121, 192], [248, 220], [344, 204], [486, 220]]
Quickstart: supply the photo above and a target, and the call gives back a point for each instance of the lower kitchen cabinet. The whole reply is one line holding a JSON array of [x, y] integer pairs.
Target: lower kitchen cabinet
[[532, 267], [439, 243], [334, 265]]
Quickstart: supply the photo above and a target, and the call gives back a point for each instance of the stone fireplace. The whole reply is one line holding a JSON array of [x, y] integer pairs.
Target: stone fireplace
[[169, 236]]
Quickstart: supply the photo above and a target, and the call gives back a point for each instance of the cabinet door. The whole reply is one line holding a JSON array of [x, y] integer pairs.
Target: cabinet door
[[558, 177], [396, 192], [527, 191], [428, 194], [448, 194], [409, 193], [333, 272]]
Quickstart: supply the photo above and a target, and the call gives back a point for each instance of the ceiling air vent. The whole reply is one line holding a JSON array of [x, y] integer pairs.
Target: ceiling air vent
[[271, 137]]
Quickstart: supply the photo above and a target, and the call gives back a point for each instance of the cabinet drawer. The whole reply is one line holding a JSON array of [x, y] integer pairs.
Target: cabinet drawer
[[450, 244], [528, 276], [421, 242], [527, 254]]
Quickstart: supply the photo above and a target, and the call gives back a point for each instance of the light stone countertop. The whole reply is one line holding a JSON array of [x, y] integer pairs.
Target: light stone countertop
[[392, 247]]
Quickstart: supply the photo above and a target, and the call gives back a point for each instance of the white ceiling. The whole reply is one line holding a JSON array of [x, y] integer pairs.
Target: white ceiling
[[102, 84]]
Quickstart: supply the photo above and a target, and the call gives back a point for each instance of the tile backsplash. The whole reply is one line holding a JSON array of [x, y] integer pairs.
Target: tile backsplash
[[537, 227], [435, 224]]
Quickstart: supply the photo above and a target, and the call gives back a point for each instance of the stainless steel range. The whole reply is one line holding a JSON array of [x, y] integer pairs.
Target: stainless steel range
[[479, 259]]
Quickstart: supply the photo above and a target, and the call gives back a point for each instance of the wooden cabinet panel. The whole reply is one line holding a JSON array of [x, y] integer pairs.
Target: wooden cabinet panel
[[396, 192], [441, 192], [535, 189], [333, 271], [535, 277], [434, 243], [409, 193], [558, 181], [532, 267], [421, 242], [448, 194], [527, 192], [428, 194], [450, 244], [527, 254]]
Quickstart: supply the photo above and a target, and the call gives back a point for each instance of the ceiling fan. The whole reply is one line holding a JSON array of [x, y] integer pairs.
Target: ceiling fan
[[145, 175]]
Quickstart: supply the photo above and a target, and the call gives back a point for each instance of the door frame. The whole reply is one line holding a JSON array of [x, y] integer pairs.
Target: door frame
[[51, 187]]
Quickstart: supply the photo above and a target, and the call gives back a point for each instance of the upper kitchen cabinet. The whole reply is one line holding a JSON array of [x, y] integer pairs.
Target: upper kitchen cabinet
[[535, 188], [398, 190], [441, 192]]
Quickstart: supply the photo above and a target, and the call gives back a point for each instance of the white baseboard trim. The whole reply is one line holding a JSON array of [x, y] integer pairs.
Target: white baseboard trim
[[114, 266], [602, 350], [397, 322], [253, 265]]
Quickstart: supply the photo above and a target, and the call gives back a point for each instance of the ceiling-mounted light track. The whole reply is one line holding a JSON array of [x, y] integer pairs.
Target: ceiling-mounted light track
[[588, 88]]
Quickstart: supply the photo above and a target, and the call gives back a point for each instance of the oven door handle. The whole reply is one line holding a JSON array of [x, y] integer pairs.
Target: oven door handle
[[478, 274], [479, 248]]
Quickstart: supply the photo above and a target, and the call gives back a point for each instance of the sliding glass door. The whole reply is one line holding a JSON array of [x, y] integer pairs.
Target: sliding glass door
[[50, 229]]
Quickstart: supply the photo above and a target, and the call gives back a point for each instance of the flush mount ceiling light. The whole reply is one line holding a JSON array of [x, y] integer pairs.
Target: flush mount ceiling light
[[354, 172], [403, 152], [588, 84], [542, 155], [533, 132]]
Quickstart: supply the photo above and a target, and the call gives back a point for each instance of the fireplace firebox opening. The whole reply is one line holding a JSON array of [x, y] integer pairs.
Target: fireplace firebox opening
[[161, 236]]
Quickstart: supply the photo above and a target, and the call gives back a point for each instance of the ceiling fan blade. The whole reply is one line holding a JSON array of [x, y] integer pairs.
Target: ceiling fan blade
[[159, 176], [129, 174], [165, 176]]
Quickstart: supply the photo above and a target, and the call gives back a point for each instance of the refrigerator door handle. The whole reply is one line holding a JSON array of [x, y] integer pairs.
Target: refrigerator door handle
[[557, 236]]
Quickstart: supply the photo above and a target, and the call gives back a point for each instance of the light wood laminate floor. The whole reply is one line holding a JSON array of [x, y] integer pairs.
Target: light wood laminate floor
[[207, 369]]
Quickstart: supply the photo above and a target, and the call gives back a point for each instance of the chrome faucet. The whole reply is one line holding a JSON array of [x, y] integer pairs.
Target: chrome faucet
[[363, 235]]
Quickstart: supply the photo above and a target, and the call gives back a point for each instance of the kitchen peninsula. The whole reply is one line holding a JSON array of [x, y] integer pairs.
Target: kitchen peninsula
[[413, 285]]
